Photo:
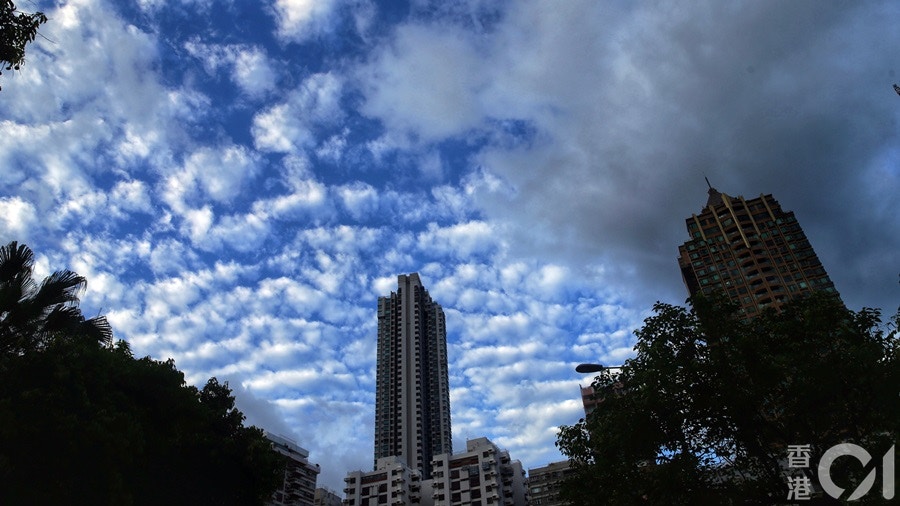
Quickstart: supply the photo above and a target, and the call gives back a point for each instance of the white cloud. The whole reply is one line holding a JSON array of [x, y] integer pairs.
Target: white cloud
[[169, 257], [426, 83], [242, 232], [289, 126], [130, 196], [360, 199], [215, 176], [384, 285], [253, 72], [18, 218], [452, 201], [499, 327], [333, 148], [249, 66], [197, 223], [460, 240], [297, 378], [299, 19], [548, 280], [308, 197], [486, 356], [214, 173], [84, 207], [277, 129], [342, 239]]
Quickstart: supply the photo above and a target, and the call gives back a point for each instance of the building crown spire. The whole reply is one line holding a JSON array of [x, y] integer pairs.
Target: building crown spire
[[715, 198]]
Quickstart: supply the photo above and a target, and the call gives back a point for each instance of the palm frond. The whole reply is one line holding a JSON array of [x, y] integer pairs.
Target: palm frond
[[16, 262], [99, 330], [61, 287]]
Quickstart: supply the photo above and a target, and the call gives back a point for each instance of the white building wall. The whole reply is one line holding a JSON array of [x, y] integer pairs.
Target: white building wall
[[298, 484], [392, 483], [483, 475]]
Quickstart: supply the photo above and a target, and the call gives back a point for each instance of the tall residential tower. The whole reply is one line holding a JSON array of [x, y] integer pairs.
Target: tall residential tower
[[412, 393], [750, 250]]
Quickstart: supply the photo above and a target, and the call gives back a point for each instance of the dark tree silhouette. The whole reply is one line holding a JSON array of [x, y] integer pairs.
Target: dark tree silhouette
[[705, 412], [17, 29], [32, 314], [84, 422]]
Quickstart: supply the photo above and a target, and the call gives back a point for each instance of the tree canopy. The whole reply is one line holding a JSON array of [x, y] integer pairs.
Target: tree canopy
[[17, 29], [82, 419], [707, 411]]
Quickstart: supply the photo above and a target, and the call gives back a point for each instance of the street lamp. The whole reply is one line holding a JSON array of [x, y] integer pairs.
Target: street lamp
[[588, 368]]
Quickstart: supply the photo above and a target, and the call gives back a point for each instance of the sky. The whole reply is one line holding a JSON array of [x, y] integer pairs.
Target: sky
[[240, 180]]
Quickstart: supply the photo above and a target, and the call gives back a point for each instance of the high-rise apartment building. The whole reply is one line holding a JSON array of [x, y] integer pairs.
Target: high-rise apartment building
[[412, 392], [750, 250]]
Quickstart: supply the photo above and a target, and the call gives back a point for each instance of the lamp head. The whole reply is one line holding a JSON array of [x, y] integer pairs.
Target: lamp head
[[586, 368]]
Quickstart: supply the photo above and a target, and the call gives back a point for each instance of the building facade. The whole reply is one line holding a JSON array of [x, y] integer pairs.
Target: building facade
[[392, 483], [483, 475], [412, 392], [750, 250], [588, 399], [326, 497], [545, 483], [298, 487]]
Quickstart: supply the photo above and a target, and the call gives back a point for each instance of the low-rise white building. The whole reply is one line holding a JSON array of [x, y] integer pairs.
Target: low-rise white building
[[327, 497], [392, 483], [483, 475], [545, 483], [298, 486]]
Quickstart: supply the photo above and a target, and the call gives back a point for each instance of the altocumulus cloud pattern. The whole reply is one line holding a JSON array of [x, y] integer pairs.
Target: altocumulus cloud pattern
[[239, 181]]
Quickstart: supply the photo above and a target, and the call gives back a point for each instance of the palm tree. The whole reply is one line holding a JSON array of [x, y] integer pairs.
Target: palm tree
[[32, 315]]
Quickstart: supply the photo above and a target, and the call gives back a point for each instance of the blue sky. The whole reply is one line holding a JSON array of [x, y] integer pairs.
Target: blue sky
[[239, 181]]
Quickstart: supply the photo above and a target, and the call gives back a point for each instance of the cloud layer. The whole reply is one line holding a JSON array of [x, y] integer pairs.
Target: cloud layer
[[239, 188]]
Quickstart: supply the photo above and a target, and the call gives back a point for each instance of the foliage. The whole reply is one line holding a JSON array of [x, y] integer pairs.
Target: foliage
[[81, 419], [32, 314], [16, 30], [705, 412]]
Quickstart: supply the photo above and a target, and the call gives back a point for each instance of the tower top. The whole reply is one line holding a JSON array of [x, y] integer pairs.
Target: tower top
[[715, 197]]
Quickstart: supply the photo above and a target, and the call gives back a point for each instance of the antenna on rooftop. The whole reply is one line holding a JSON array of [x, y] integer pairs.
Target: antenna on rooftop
[[707, 182]]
